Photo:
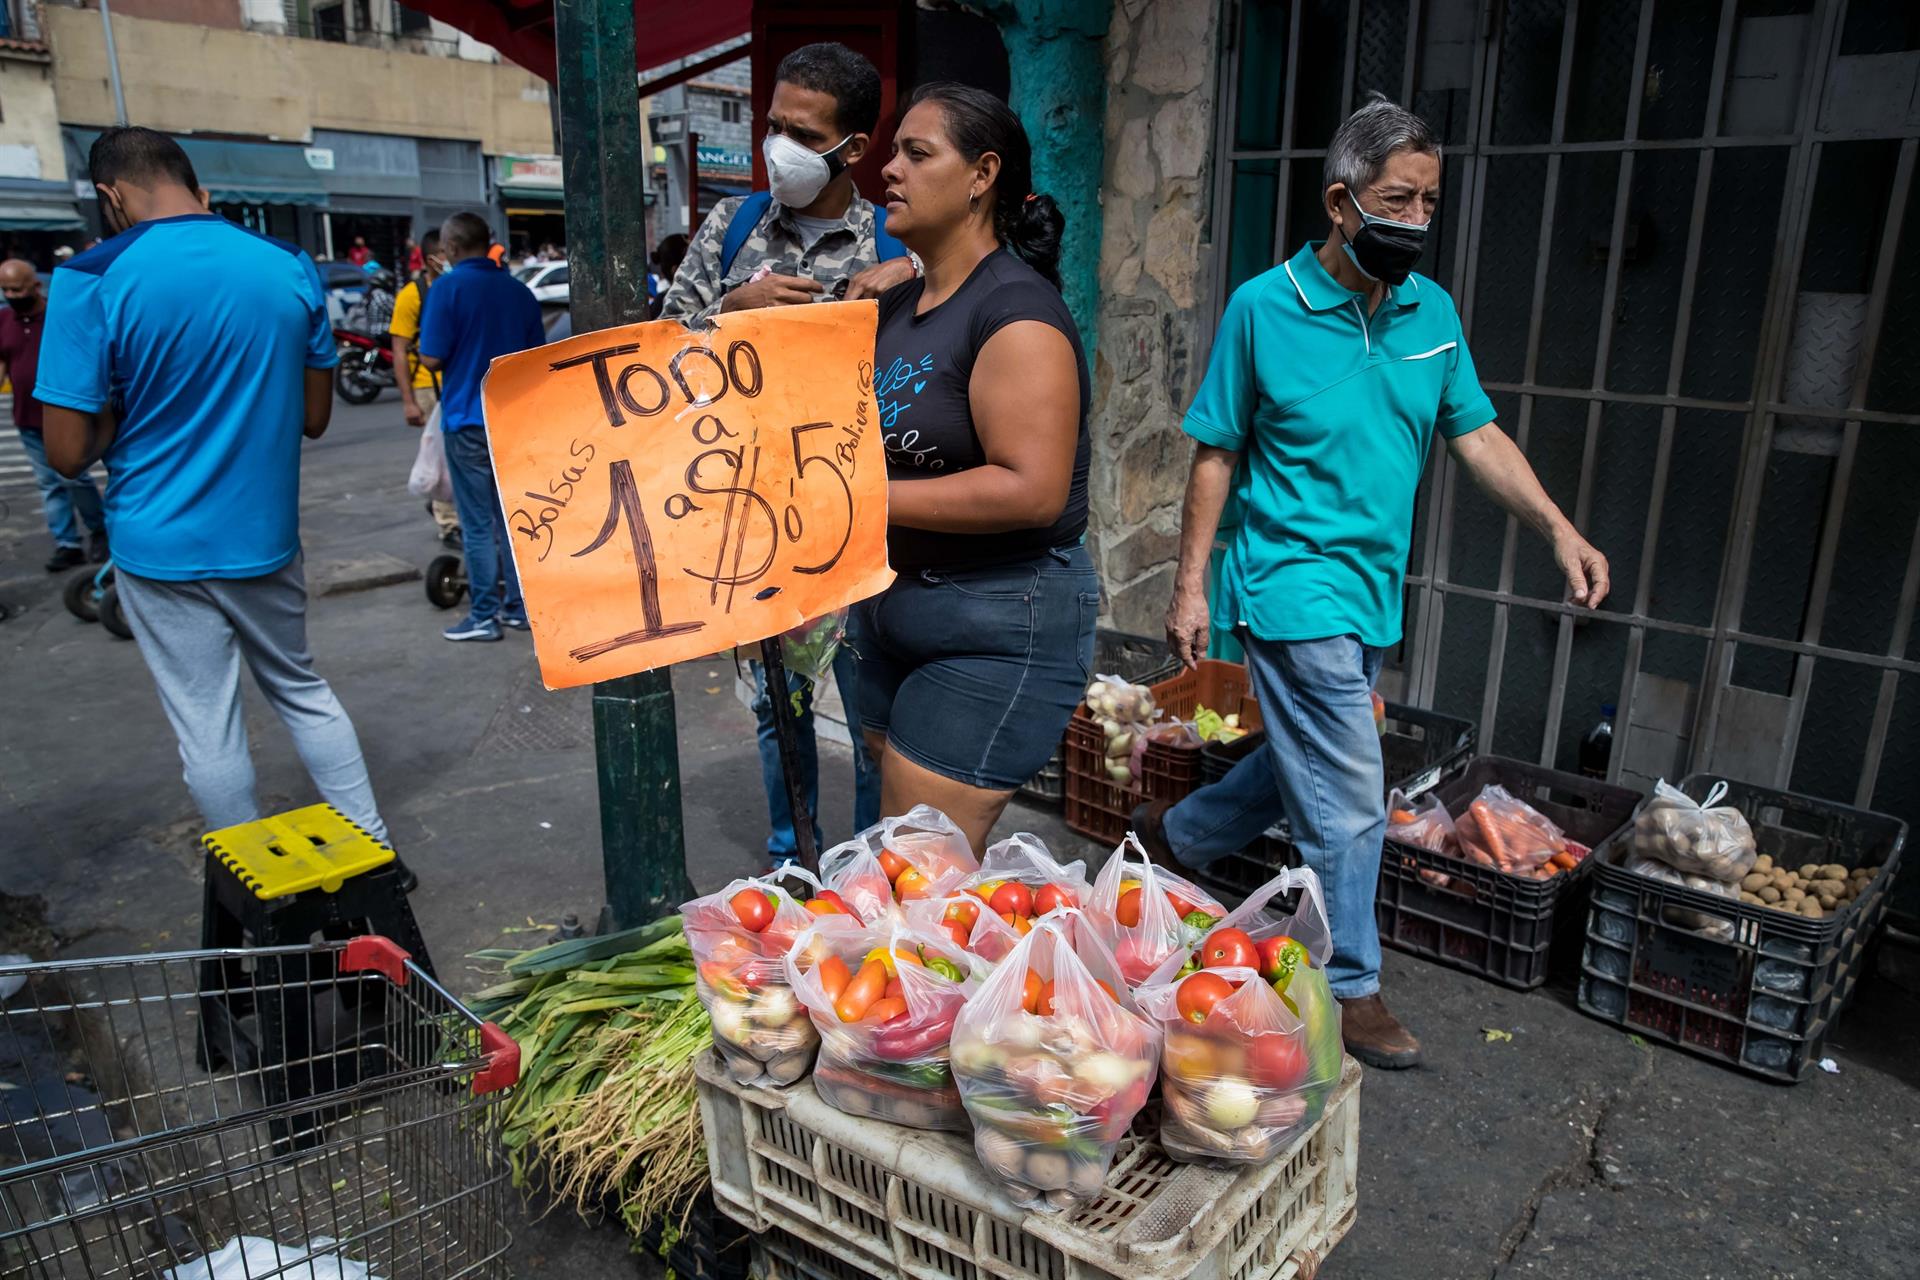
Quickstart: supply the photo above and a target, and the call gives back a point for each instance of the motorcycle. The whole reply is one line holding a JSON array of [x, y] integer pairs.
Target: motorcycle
[[366, 365]]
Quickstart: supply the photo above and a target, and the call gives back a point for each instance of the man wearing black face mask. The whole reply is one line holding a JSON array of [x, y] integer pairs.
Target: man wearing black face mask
[[68, 503], [1330, 375]]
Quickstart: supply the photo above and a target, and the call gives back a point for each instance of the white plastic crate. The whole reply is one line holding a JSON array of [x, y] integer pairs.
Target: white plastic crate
[[892, 1201]]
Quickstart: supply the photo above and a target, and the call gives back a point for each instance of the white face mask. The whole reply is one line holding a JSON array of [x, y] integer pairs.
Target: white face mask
[[796, 175]]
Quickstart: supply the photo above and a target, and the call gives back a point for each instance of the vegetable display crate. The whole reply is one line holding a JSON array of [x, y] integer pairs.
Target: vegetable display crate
[[1765, 1000], [1102, 809], [1490, 922], [782, 1255], [1136, 659], [1419, 749], [898, 1202], [711, 1246]]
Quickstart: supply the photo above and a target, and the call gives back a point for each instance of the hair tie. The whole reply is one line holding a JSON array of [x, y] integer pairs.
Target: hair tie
[[1031, 197]]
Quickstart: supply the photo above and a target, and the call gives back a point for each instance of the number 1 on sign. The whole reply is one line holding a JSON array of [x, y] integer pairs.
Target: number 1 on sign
[[624, 501]]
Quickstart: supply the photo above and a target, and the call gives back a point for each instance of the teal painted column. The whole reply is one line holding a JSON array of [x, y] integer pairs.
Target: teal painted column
[[1054, 52], [642, 838]]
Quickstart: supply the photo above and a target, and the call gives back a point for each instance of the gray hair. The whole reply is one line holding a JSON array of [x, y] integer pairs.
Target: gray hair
[[1364, 141]]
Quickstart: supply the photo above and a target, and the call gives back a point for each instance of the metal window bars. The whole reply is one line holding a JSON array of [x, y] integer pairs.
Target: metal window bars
[[1656, 206], [121, 1157]]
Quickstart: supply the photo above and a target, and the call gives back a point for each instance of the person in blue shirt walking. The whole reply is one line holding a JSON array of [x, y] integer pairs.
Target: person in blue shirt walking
[[475, 312], [193, 355], [1328, 379]]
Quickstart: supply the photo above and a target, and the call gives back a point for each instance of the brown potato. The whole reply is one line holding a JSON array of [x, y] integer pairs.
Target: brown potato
[[1763, 863], [1809, 870], [1769, 894], [1795, 895], [1784, 879], [1752, 899], [1832, 871], [1754, 879], [1810, 908]]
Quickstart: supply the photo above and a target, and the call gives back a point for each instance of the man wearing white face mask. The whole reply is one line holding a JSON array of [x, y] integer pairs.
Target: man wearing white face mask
[[810, 237]]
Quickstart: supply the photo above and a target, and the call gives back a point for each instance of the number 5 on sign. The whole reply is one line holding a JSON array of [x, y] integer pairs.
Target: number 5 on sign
[[672, 494]]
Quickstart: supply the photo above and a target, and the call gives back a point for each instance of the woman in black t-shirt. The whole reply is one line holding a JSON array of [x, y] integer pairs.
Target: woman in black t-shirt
[[972, 662]]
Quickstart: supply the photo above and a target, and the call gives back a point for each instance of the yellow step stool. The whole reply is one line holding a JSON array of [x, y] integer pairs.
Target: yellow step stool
[[317, 847]]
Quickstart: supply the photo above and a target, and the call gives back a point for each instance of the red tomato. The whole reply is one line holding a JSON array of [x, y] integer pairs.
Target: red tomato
[[1181, 907], [1127, 910], [1199, 993], [1277, 1061], [833, 899], [1044, 1005], [962, 912], [911, 885], [752, 908], [1052, 896], [1030, 992], [1012, 898], [1104, 987], [892, 864], [1227, 948], [956, 931], [885, 1009], [893, 990]]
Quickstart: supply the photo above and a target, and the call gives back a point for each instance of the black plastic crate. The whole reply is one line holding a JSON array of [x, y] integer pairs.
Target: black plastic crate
[[1493, 923], [711, 1246], [1765, 1000], [781, 1255], [1137, 659], [1419, 749]]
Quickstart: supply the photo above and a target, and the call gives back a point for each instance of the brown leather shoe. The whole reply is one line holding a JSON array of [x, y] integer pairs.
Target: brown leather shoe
[[1149, 822], [1375, 1036]]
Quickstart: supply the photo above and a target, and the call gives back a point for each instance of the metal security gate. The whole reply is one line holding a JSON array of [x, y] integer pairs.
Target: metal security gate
[[1684, 239]]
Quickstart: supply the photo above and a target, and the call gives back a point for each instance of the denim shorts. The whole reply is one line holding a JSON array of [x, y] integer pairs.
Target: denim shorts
[[974, 673]]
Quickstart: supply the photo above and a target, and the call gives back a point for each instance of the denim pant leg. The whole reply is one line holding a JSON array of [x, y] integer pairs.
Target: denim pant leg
[[474, 491], [866, 774], [61, 499], [782, 840]]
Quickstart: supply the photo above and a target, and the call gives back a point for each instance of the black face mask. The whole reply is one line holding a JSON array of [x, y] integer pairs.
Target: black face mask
[[1384, 249], [22, 304]]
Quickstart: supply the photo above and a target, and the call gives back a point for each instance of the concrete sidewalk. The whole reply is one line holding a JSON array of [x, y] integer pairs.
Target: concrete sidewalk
[[1567, 1151]]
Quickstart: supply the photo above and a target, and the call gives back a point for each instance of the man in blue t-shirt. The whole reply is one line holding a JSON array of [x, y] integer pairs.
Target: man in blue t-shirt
[[477, 311], [192, 355]]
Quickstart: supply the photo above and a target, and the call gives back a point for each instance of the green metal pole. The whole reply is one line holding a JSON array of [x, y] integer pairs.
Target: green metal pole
[[642, 834]]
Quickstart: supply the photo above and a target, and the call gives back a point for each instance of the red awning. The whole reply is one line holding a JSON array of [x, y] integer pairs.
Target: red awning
[[523, 29]]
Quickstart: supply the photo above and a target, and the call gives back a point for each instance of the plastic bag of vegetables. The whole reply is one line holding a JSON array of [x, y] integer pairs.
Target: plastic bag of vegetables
[[884, 1001], [1694, 838], [1053, 1060], [853, 873], [809, 649], [1126, 714], [1146, 913], [1018, 882], [1712, 926], [740, 937], [1252, 1047]]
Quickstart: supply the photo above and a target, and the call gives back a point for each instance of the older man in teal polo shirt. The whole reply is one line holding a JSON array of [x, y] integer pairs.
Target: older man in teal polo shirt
[[1328, 379]]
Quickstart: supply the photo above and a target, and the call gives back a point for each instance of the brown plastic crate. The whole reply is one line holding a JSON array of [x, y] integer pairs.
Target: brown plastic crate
[[1100, 809]]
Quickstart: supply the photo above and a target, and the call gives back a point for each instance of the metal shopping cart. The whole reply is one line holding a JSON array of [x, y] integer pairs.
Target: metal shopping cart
[[372, 1151]]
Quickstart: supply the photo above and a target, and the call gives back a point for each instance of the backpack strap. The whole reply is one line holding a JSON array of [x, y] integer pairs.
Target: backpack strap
[[745, 220], [884, 245]]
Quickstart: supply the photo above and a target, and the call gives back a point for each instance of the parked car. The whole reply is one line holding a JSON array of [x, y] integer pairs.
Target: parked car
[[345, 284], [548, 280]]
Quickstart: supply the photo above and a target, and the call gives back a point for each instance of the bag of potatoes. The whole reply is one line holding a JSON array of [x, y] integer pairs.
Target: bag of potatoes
[[1693, 838]]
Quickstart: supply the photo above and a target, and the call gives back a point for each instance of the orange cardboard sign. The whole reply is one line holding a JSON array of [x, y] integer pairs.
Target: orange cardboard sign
[[670, 494]]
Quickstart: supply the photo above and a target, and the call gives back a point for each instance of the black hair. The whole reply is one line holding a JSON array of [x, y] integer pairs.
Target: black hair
[[131, 153], [467, 232], [844, 75], [669, 254], [978, 122], [430, 239]]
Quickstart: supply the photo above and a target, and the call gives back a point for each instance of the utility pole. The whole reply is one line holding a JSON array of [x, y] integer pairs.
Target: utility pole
[[113, 65], [642, 832]]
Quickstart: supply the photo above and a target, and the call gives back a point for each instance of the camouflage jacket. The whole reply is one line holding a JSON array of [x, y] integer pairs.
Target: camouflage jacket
[[840, 254]]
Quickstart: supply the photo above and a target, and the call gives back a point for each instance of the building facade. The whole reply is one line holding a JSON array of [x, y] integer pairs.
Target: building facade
[[321, 123]]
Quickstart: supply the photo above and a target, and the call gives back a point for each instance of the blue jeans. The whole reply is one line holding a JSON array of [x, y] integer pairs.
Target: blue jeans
[[1321, 771], [783, 842], [483, 525], [60, 497]]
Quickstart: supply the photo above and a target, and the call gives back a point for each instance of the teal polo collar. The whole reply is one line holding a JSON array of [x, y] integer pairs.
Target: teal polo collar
[[1319, 291]]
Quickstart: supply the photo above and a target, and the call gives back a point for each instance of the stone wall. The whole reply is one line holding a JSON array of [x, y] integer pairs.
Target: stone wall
[[1154, 311]]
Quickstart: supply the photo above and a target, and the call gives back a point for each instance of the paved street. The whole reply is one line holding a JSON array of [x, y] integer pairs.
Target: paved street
[[1566, 1151]]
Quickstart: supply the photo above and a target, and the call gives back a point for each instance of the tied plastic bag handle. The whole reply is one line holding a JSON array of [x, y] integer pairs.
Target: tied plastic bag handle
[[796, 871], [1319, 942], [1715, 795]]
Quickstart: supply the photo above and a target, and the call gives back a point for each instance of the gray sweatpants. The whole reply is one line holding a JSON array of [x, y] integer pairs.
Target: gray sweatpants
[[193, 636]]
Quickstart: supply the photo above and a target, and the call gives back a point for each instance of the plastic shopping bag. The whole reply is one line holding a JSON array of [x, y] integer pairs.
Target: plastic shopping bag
[[1053, 1061], [429, 478], [1423, 823], [809, 649], [920, 855], [1018, 883], [1501, 831], [740, 937], [1693, 838], [1709, 925], [884, 1001], [1146, 913], [1252, 1050]]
